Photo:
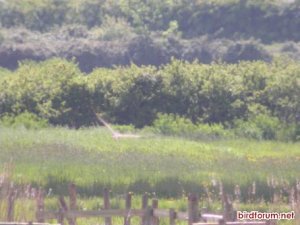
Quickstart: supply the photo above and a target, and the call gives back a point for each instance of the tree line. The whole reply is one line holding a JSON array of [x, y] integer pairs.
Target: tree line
[[238, 95], [91, 52], [267, 20], [104, 33]]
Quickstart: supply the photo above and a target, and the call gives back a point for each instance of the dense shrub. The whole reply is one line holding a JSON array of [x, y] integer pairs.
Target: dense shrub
[[256, 99], [129, 95], [26, 120], [246, 18], [289, 132], [246, 51], [170, 124], [53, 90], [200, 92], [259, 127], [105, 47], [265, 20]]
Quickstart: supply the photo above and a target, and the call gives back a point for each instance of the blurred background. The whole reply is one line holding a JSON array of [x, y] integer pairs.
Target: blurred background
[[109, 32]]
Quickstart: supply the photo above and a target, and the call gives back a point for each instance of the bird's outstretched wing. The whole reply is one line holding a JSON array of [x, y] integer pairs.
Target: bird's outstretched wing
[[115, 134]]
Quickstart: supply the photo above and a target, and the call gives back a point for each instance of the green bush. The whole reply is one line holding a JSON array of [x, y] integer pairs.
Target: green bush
[[113, 29], [170, 124], [258, 127], [4, 72], [54, 89], [212, 131], [257, 99], [265, 20], [26, 120], [289, 132], [115, 43], [249, 51], [128, 95]]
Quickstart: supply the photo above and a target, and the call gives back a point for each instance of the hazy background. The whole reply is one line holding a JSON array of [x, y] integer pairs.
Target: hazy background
[[108, 32]]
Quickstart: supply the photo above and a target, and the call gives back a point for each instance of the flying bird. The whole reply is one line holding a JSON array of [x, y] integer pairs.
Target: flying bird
[[116, 135]]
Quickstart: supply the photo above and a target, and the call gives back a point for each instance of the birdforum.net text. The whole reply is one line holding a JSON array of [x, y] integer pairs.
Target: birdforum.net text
[[255, 215]]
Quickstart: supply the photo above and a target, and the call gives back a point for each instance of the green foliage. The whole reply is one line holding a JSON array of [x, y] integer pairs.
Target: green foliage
[[170, 124], [115, 43], [113, 29], [289, 132], [259, 127], [213, 131], [92, 159], [36, 15], [263, 20], [202, 93], [256, 99], [172, 30], [246, 51], [52, 89], [125, 128], [4, 72], [26, 120], [130, 95]]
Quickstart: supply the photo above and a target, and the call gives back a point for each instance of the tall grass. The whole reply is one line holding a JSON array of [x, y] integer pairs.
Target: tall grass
[[166, 165]]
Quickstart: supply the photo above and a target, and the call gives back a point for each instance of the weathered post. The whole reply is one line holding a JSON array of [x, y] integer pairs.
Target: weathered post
[[155, 220], [144, 207], [128, 207], [73, 201], [229, 214], [106, 205], [62, 210], [40, 206], [193, 209], [172, 216]]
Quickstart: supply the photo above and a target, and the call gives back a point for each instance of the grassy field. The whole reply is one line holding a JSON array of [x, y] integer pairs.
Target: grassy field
[[166, 167]]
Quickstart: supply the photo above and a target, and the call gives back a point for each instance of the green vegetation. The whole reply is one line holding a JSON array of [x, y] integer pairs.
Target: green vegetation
[[211, 86], [26, 120], [107, 32], [264, 20], [168, 166], [250, 99]]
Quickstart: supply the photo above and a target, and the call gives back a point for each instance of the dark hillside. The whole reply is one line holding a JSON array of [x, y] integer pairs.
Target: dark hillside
[[104, 33]]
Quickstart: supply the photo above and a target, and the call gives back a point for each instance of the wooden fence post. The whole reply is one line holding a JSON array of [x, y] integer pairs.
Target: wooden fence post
[[128, 207], [73, 201], [193, 209], [144, 207], [40, 206], [10, 204], [172, 216], [155, 220], [229, 214], [106, 205], [62, 209]]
